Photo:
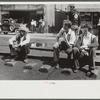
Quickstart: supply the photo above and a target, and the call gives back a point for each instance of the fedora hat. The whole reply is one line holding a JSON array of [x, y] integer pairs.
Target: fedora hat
[[23, 28]]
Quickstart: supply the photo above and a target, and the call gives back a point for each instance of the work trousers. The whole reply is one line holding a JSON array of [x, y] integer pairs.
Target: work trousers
[[20, 52], [83, 59], [68, 50]]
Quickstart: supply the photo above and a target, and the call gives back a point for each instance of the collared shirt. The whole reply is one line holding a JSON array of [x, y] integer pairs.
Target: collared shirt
[[22, 41], [87, 39], [63, 34], [33, 23]]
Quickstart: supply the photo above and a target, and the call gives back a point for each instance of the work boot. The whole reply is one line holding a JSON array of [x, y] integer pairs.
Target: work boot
[[15, 58], [75, 70], [25, 60], [57, 66]]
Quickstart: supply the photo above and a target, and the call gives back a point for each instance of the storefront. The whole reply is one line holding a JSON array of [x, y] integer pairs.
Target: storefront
[[89, 13], [53, 14], [23, 13]]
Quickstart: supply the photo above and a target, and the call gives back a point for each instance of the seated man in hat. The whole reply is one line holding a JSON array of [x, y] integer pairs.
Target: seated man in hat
[[67, 43], [19, 44], [85, 47]]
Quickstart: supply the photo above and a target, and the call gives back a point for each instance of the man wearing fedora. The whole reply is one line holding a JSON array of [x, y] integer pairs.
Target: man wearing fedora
[[19, 44]]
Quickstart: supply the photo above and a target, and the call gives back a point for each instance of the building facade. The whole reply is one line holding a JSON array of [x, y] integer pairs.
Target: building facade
[[53, 14]]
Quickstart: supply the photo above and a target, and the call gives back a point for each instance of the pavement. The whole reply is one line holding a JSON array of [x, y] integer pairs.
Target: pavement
[[18, 72]]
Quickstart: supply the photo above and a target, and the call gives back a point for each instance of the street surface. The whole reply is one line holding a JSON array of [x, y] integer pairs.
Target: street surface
[[18, 72]]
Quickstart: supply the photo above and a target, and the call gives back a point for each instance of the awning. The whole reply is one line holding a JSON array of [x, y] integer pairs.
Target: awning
[[2, 13], [23, 7], [88, 9]]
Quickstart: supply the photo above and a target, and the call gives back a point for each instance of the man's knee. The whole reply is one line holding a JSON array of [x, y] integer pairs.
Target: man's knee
[[10, 46], [93, 52], [92, 49], [56, 45], [26, 46], [75, 50]]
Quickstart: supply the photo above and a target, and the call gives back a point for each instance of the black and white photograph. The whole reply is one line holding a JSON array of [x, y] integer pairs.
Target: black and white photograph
[[50, 50], [56, 41]]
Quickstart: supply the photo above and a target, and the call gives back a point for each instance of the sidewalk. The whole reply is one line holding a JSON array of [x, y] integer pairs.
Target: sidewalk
[[41, 57], [50, 39]]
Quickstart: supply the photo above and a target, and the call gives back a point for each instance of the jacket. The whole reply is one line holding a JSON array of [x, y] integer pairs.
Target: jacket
[[78, 44]]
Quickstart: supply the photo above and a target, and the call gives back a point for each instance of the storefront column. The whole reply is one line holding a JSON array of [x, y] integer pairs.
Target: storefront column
[[46, 18], [99, 33], [49, 16], [0, 14]]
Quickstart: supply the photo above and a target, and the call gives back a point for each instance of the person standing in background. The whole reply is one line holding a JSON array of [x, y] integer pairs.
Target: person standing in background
[[73, 15], [40, 26], [98, 25], [43, 25], [33, 25]]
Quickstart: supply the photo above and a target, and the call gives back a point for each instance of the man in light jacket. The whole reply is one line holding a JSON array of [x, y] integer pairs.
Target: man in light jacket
[[19, 44], [66, 44]]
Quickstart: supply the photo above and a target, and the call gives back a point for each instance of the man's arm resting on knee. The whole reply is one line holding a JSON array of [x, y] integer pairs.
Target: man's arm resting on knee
[[26, 41], [11, 40]]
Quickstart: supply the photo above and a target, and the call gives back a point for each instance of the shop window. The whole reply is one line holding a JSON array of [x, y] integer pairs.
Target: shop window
[[95, 19], [85, 17]]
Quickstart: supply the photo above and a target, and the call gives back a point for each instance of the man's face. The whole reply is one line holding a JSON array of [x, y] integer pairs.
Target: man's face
[[71, 8], [65, 27], [84, 30], [22, 33]]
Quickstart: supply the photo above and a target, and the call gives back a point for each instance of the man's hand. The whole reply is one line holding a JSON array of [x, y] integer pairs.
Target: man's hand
[[56, 45], [83, 52], [84, 47], [15, 46]]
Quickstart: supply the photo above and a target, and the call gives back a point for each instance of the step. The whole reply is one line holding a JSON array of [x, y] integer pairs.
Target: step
[[42, 53]]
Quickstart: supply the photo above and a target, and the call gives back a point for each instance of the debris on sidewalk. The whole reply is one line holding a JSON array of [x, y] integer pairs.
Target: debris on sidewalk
[[44, 68], [11, 63], [30, 65], [67, 71]]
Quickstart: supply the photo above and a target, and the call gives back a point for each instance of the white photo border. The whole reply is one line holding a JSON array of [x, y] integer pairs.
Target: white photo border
[[66, 89]]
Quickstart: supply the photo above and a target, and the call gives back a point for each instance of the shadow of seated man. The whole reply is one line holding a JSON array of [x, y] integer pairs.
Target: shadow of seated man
[[20, 44]]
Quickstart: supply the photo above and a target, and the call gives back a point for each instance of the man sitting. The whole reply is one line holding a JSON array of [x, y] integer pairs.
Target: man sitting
[[19, 44], [85, 47], [67, 43]]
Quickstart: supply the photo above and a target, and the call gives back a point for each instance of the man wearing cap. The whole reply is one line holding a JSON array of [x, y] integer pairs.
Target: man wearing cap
[[73, 15], [85, 48], [66, 44], [19, 44]]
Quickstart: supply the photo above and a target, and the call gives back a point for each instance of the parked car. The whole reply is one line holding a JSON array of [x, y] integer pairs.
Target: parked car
[[9, 25]]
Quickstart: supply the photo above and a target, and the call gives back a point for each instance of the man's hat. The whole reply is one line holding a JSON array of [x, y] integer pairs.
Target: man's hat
[[72, 5], [25, 29], [74, 27]]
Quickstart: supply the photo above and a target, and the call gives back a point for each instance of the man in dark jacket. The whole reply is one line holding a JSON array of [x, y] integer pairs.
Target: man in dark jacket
[[85, 47], [74, 15]]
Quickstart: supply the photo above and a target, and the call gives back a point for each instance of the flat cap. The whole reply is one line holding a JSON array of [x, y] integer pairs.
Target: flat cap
[[74, 27]]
